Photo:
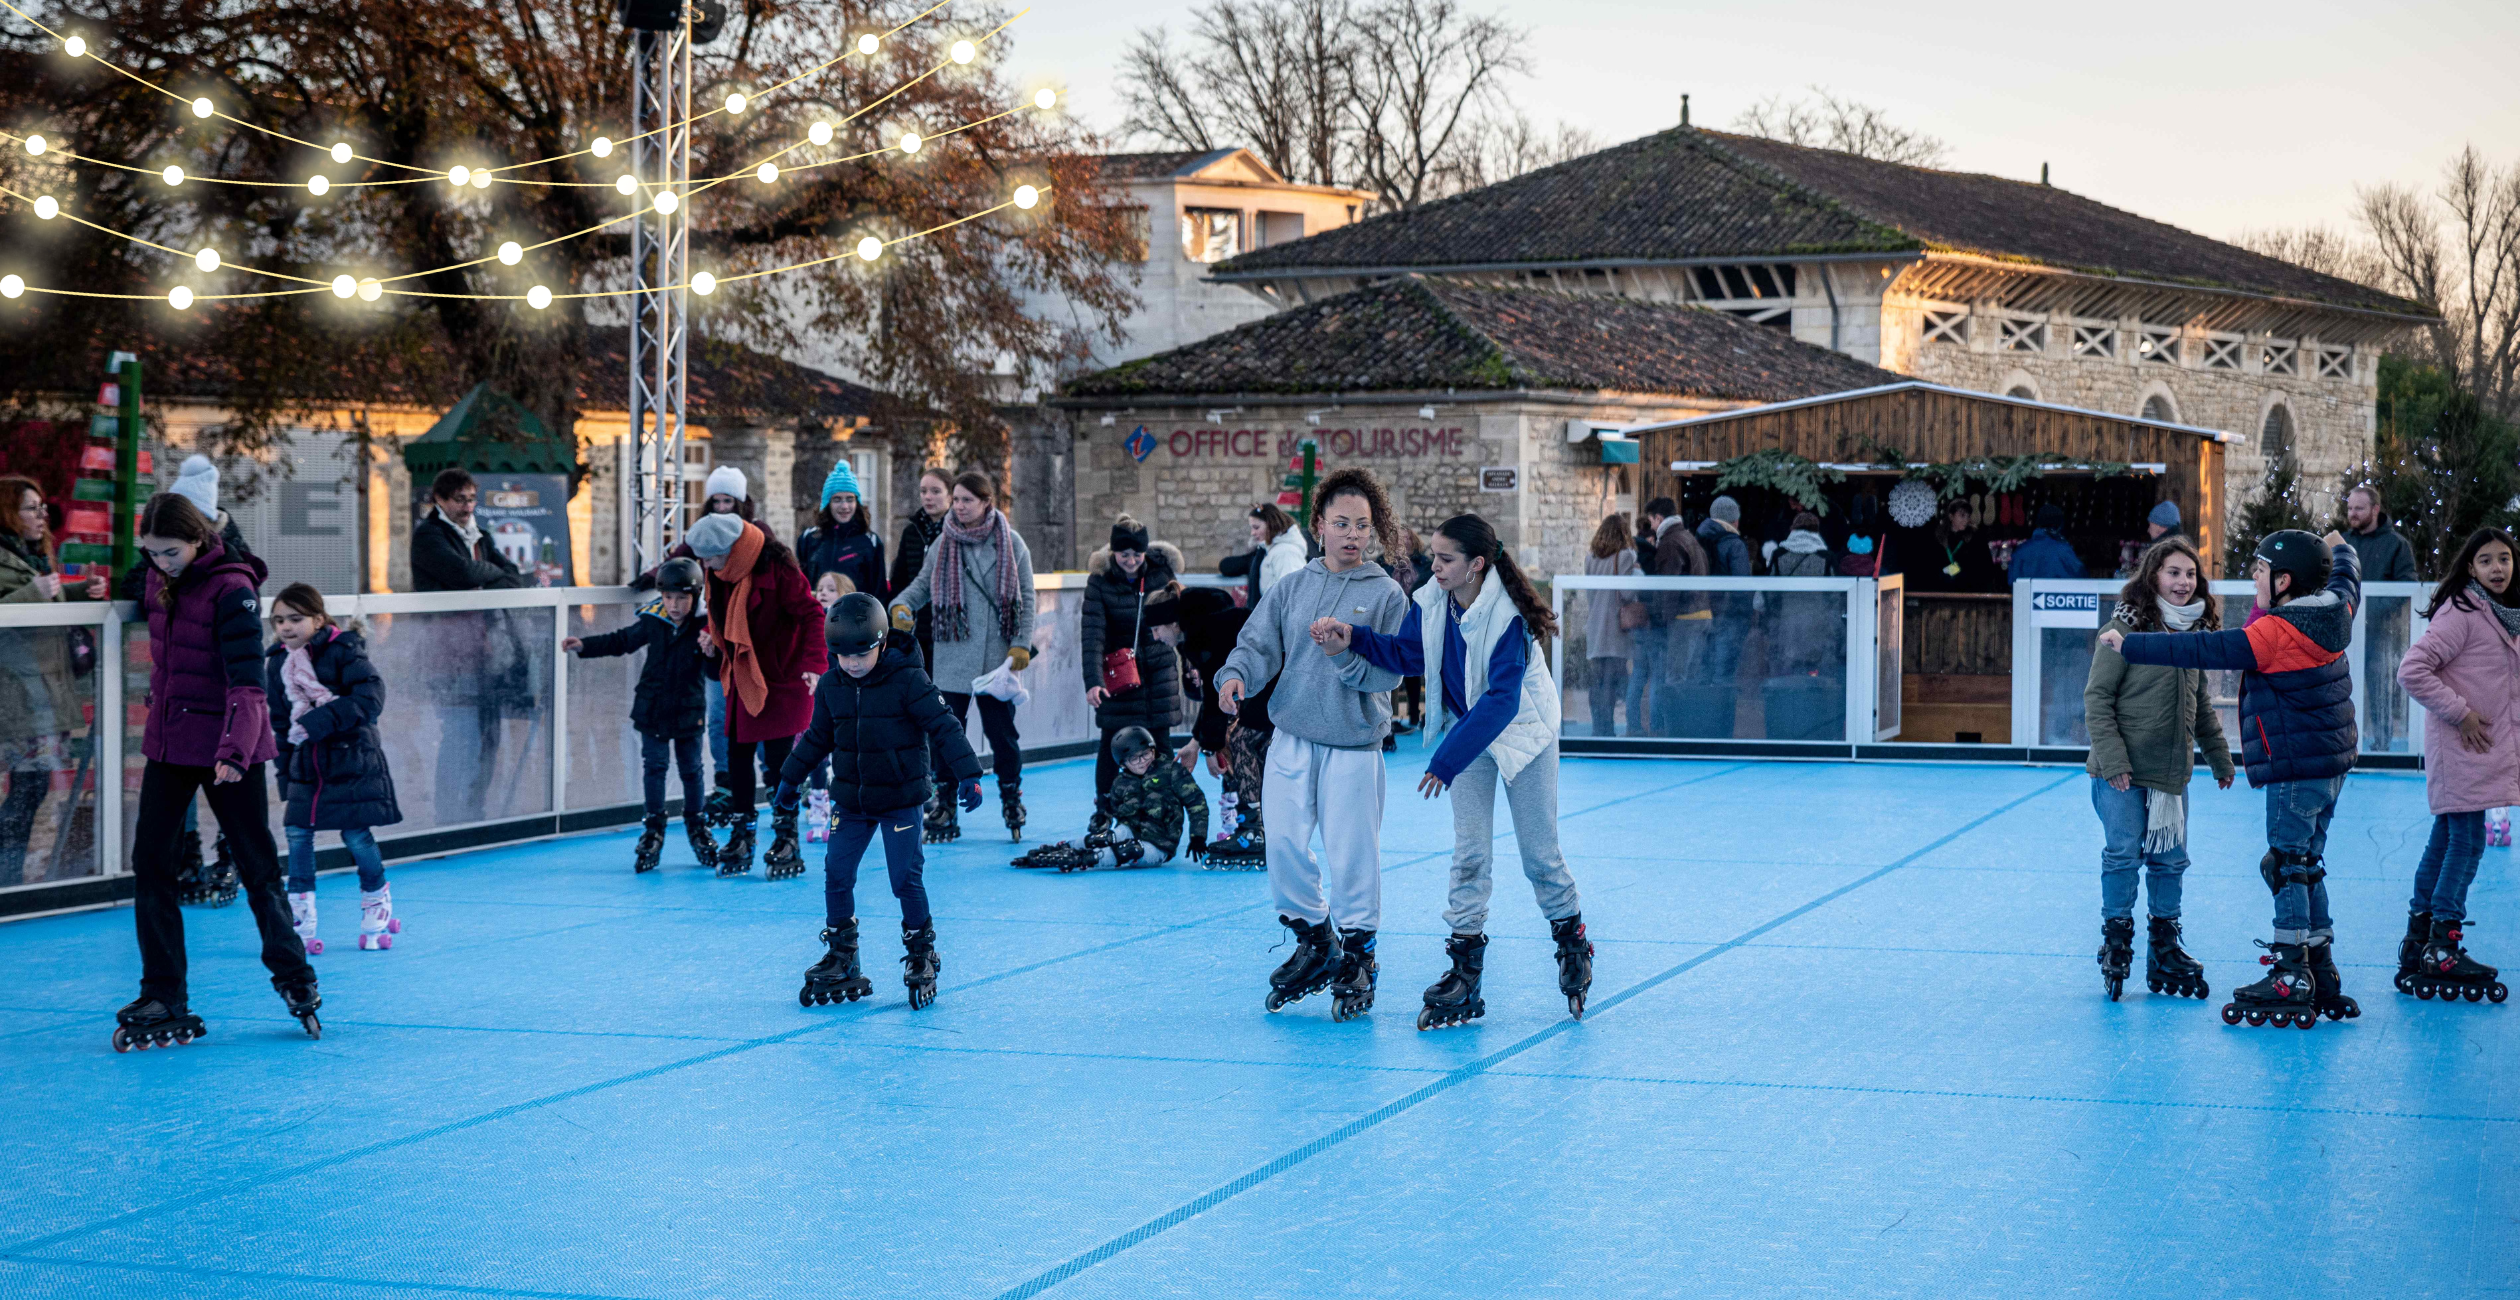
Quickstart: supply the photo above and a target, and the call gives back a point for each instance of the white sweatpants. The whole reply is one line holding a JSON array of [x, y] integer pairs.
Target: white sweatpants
[[1340, 793]]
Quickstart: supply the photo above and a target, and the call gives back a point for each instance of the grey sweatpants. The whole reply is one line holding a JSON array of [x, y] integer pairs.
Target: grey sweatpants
[[1339, 793], [1533, 798]]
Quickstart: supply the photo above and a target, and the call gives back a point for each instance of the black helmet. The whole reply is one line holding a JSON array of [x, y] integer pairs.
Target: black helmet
[[1131, 742], [857, 624], [2303, 555], [680, 574]]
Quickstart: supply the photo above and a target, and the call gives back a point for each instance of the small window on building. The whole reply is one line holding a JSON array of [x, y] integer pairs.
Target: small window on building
[[2161, 346], [1280, 227], [2275, 440], [2222, 354], [1737, 282], [1947, 327], [2336, 363], [2278, 358], [2158, 407], [2024, 335], [2096, 341], [1211, 234], [2023, 391], [1775, 318]]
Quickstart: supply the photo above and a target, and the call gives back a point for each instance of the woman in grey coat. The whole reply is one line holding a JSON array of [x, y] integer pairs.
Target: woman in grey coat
[[979, 580]]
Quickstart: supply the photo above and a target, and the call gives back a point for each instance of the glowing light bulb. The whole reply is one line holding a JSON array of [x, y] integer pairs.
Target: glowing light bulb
[[910, 142], [602, 148], [1026, 196], [173, 175], [628, 184], [10, 285], [207, 259], [47, 207], [344, 286], [870, 248], [511, 253], [963, 50], [538, 297], [767, 173], [867, 43], [340, 152], [370, 290], [666, 202], [460, 175], [35, 145], [75, 47], [201, 108], [481, 179], [1045, 97], [317, 184], [180, 298], [704, 284], [735, 102], [820, 133]]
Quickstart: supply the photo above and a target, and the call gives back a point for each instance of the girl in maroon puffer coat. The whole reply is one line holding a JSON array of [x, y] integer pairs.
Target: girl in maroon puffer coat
[[208, 730]]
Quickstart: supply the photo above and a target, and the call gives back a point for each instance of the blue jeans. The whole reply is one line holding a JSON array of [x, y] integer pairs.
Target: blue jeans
[[2297, 817], [717, 729], [1645, 671], [2450, 858], [903, 857], [2122, 816], [362, 845]]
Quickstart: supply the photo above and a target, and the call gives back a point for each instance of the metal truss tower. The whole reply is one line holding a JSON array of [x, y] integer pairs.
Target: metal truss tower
[[660, 243]]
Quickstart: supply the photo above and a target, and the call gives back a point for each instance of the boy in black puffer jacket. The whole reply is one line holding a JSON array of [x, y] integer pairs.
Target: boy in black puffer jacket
[[875, 715], [670, 708]]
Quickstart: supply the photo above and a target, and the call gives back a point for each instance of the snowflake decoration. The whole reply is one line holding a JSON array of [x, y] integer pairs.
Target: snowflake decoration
[[1912, 503]]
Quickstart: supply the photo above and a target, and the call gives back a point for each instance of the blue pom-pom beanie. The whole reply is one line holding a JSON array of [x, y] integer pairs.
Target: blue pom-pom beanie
[[841, 479]]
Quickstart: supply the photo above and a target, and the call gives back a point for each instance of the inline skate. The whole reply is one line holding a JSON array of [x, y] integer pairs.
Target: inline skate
[[1454, 999], [1245, 850], [148, 1023], [2288, 995], [2445, 970], [1307, 970], [704, 846], [1352, 989], [1574, 959], [944, 820], [2411, 950], [2331, 999], [1011, 803], [302, 999], [651, 848], [735, 857], [212, 884], [2168, 968], [919, 964], [784, 861], [836, 978], [2117, 953], [720, 808]]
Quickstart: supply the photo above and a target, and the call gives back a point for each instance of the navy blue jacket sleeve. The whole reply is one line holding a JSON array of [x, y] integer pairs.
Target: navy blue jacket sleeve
[[1402, 652], [621, 641], [2226, 650], [1492, 711]]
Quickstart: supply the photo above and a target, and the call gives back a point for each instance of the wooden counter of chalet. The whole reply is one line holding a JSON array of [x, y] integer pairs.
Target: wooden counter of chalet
[[1956, 668]]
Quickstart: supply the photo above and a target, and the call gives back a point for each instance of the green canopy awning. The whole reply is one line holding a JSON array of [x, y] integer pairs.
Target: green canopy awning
[[489, 433]]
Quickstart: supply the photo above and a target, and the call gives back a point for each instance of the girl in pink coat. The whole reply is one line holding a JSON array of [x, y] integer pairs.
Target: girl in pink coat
[[2465, 671]]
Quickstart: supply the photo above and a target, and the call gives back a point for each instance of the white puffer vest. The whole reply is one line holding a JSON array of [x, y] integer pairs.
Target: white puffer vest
[[1535, 724]]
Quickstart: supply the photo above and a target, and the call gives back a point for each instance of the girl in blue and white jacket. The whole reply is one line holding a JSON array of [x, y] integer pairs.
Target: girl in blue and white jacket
[[1481, 628]]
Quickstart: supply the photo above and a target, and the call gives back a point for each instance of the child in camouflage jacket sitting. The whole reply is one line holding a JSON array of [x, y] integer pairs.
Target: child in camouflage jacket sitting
[[1140, 823]]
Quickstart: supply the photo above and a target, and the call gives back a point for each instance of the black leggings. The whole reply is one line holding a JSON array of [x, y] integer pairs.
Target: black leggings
[[740, 755], [683, 753], [997, 722], [1107, 768], [243, 810]]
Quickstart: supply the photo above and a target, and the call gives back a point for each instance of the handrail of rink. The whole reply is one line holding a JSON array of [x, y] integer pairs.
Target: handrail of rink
[[567, 761]]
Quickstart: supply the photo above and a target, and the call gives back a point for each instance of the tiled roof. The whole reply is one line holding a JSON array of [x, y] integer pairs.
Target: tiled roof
[[1156, 166], [726, 380], [1411, 334], [1687, 194]]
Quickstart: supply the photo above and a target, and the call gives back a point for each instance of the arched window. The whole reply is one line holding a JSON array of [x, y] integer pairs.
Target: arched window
[[2158, 407], [2023, 391], [2275, 441]]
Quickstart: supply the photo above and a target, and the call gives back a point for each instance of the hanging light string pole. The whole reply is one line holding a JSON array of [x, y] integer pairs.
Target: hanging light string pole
[[660, 251]]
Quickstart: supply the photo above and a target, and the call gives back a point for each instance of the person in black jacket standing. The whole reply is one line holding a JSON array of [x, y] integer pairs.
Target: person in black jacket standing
[[1129, 588], [670, 708], [918, 533], [476, 661], [841, 541], [875, 715]]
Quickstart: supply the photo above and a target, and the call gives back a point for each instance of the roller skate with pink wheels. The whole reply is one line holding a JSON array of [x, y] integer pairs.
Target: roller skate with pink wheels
[[302, 919], [377, 926]]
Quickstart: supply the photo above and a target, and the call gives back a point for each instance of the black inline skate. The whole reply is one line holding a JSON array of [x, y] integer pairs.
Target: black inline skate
[[1307, 970], [2288, 995], [148, 1023], [2331, 999], [651, 848], [2448, 972], [944, 820], [1352, 989], [2168, 968], [735, 857], [1011, 802], [1574, 959], [836, 978], [213, 884], [919, 964], [784, 861], [2117, 953], [2411, 950], [1244, 850], [720, 808], [1454, 999], [704, 846], [302, 998]]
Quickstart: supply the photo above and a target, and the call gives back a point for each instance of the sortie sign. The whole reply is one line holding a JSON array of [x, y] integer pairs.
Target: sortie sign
[[1336, 444]]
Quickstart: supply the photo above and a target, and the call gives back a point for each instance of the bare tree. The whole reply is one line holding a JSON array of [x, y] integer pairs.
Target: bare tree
[[2323, 249], [1267, 74], [2470, 272], [1499, 147], [1164, 93], [1829, 122], [1421, 66]]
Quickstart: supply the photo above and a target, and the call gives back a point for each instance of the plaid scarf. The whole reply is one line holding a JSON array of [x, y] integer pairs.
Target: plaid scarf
[[953, 615], [2508, 616]]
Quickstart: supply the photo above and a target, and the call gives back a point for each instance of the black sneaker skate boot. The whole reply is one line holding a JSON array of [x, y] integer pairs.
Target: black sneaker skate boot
[[944, 820], [704, 846], [1352, 989], [1454, 999], [2448, 972], [1307, 970], [720, 808], [2288, 995], [2117, 953], [1574, 959], [735, 857], [302, 999], [1245, 850], [148, 1023], [1011, 802], [919, 964], [785, 860], [836, 978], [2411, 950], [2168, 968], [651, 848], [2331, 999]]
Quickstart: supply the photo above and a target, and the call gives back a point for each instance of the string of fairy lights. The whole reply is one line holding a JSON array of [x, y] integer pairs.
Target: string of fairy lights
[[767, 170]]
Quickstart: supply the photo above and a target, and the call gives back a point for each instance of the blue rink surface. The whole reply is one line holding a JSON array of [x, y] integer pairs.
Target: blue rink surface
[[1847, 1038]]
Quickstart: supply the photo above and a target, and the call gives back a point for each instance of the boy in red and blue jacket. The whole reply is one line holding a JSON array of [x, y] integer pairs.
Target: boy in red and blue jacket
[[2298, 741]]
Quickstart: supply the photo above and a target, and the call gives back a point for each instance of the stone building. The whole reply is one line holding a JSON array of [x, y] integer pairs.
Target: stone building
[[1973, 281], [1463, 397]]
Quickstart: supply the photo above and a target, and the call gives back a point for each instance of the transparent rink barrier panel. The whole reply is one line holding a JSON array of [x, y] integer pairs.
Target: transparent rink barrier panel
[[1724, 665], [48, 755], [604, 753], [2385, 715], [468, 713]]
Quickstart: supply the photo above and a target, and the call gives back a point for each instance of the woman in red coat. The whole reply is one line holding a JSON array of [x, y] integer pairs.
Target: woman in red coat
[[766, 633]]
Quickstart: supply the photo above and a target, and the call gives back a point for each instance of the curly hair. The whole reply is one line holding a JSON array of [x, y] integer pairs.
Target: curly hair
[[2139, 601], [1362, 483]]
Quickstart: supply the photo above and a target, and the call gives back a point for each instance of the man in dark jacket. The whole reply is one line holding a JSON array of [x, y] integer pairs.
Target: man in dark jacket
[[2383, 551], [1665, 648], [2047, 554], [1727, 556], [476, 663], [2386, 557], [669, 708]]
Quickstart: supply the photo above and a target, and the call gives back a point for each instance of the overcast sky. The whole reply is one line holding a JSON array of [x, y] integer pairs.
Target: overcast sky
[[2211, 115]]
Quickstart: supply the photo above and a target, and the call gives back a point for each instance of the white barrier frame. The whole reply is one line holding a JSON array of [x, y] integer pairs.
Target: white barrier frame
[[1861, 612]]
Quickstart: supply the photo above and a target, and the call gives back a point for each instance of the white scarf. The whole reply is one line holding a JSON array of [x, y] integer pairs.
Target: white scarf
[[305, 691], [471, 533], [2179, 618]]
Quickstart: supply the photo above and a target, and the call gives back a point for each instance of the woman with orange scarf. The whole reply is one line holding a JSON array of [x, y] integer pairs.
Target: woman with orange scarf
[[766, 634]]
